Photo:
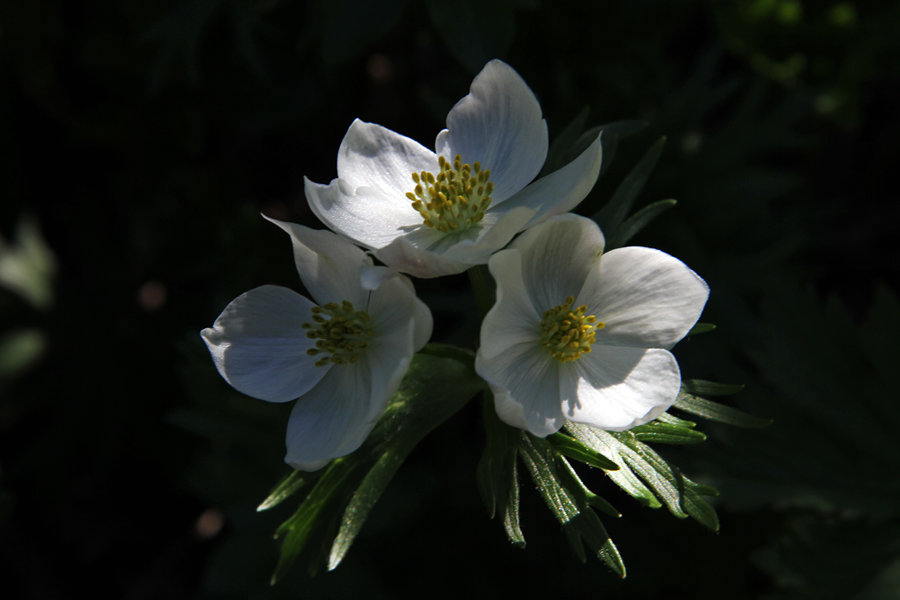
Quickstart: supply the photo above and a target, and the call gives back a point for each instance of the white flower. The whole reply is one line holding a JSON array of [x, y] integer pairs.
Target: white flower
[[342, 357], [437, 213], [583, 336]]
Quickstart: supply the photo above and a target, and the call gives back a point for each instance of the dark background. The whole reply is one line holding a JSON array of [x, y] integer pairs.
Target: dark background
[[140, 140]]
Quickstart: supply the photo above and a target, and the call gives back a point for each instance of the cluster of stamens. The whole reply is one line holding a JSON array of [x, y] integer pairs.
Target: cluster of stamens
[[341, 333], [454, 200], [567, 333]]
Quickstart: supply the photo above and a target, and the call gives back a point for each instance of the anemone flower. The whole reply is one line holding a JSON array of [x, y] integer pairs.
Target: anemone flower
[[584, 336], [342, 356], [438, 213]]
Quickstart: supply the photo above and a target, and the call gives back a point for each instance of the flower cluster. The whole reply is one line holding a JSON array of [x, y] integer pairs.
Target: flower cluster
[[574, 335]]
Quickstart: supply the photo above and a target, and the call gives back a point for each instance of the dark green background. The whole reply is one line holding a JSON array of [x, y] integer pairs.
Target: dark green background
[[145, 137]]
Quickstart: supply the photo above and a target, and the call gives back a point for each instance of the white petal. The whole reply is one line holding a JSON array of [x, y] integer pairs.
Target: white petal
[[364, 215], [424, 322], [646, 298], [513, 319], [528, 378], [556, 258], [375, 277], [498, 124], [391, 350], [418, 262], [376, 157], [616, 388], [331, 420], [493, 233], [259, 347], [329, 266], [562, 190]]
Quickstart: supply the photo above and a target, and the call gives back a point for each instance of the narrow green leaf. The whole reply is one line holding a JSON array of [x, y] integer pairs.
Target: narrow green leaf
[[432, 391], [284, 490], [714, 411], [611, 216], [297, 529], [664, 433], [559, 149], [636, 222], [625, 478], [701, 328], [699, 387], [693, 504], [498, 480], [573, 481], [574, 449], [670, 420], [646, 476], [680, 494], [567, 502]]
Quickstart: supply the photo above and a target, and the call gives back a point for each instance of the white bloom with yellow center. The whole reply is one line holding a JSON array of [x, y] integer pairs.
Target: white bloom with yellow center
[[342, 357], [437, 213], [584, 336]]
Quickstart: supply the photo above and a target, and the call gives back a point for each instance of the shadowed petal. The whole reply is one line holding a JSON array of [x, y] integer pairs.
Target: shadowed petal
[[617, 388], [525, 379], [513, 319], [259, 347], [646, 297], [498, 124], [376, 157], [365, 215], [332, 419], [564, 189], [556, 258], [329, 266]]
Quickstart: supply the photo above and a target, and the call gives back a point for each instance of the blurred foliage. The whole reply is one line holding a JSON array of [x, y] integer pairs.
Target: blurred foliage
[[146, 137], [835, 48]]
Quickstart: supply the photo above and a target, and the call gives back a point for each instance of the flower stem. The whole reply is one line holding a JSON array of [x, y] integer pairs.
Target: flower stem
[[483, 286]]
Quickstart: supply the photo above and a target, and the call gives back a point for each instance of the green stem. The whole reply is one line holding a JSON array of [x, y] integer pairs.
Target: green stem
[[483, 286]]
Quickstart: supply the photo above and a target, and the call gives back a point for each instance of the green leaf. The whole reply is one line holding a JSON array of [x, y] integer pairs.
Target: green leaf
[[611, 216], [284, 490], [714, 411], [433, 390], [700, 387], [646, 476], [559, 149], [701, 328], [574, 449], [569, 503], [475, 31], [296, 530], [498, 479], [638, 221], [665, 433]]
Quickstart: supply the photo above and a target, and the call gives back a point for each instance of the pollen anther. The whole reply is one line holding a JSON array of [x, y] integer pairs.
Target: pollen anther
[[342, 337], [454, 200], [568, 334]]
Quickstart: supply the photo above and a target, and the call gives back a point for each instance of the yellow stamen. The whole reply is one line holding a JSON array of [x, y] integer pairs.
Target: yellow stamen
[[343, 337], [568, 334], [454, 200]]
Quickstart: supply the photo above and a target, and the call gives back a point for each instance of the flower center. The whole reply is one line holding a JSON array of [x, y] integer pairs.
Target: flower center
[[454, 200], [567, 333], [341, 333]]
